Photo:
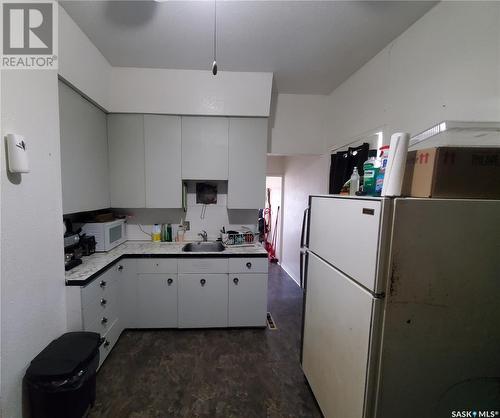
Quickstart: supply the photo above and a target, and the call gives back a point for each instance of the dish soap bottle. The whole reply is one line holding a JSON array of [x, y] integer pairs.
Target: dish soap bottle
[[169, 233], [156, 233], [354, 183]]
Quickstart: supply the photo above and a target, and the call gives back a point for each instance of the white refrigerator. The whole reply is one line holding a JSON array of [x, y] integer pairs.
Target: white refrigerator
[[401, 314]]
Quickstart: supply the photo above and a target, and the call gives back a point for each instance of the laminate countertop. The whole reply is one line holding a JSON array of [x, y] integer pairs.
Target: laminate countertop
[[97, 263]]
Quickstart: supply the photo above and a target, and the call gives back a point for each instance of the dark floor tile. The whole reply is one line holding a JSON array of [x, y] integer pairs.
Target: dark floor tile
[[241, 373]]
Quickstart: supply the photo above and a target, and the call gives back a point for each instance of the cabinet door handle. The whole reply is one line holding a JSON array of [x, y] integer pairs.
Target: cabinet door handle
[[203, 281], [120, 268], [106, 343], [170, 281], [249, 265], [236, 280], [103, 302], [104, 320], [102, 284]]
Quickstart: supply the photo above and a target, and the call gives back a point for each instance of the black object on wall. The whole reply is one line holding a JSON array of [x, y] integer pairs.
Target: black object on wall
[[342, 164]]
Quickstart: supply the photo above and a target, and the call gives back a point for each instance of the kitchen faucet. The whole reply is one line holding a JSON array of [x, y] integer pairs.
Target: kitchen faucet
[[203, 234]]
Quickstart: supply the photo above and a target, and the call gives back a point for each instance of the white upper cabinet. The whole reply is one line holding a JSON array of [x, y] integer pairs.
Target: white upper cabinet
[[162, 140], [84, 153], [247, 163], [204, 148], [126, 161]]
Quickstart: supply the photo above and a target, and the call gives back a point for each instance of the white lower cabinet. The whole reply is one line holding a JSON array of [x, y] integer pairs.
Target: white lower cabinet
[[247, 300], [157, 301], [170, 293], [203, 300]]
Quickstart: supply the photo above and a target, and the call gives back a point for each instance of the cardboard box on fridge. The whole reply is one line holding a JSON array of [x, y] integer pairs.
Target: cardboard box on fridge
[[453, 172]]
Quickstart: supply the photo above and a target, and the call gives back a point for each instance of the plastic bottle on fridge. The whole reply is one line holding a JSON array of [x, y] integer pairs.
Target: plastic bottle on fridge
[[379, 182], [370, 168], [354, 183]]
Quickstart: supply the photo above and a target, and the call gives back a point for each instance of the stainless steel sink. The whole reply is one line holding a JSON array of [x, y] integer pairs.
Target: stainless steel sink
[[203, 247]]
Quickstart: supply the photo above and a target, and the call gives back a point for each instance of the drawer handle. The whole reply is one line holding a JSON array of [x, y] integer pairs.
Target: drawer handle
[[106, 344], [102, 284], [104, 320], [120, 268], [157, 265], [103, 302], [236, 280], [170, 281], [203, 281], [249, 265]]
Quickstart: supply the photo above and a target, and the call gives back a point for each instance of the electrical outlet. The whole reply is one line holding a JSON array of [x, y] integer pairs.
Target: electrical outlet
[[187, 225]]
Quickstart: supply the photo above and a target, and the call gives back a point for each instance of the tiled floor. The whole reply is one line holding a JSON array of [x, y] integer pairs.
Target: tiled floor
[[240, 373]]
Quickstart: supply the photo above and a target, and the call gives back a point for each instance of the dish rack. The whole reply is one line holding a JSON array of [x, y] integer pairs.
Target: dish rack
[[241, 239]]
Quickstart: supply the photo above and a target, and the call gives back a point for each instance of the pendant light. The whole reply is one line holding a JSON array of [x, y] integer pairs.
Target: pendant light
[[214, 64]]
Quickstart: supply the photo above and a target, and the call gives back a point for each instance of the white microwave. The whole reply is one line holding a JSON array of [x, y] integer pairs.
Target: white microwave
[[107, 235]]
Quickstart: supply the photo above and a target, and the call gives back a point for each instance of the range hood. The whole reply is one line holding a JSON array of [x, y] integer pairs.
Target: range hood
[[458, 134]]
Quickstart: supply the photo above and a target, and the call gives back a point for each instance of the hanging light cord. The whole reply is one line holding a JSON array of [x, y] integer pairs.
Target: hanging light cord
[[214, 64]]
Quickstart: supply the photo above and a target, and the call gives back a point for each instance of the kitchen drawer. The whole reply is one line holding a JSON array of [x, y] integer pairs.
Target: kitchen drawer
[[110, 339], [203, 265], [104, 284], [248, 265], [346, 233], [157, 265], [98, 317], [203, 300]]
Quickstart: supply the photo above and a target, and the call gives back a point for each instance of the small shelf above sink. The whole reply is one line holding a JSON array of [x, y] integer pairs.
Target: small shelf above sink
[[203, 247]]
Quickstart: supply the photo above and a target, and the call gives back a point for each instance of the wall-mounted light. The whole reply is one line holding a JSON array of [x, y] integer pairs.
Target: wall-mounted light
[[17, 154]]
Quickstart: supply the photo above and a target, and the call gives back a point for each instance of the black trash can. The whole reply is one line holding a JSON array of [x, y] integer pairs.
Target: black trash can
[[61, 379]]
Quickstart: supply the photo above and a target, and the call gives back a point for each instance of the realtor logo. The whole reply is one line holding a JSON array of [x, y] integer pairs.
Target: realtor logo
[[29, 35]]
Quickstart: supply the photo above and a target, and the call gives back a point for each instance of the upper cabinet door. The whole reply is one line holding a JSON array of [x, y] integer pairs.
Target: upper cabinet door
[[162, 140], [84, 153], [247, 163], [126, 161], [204, 148]]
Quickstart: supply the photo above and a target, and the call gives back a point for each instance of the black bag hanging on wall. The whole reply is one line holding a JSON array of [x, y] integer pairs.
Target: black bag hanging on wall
[[342, 164]]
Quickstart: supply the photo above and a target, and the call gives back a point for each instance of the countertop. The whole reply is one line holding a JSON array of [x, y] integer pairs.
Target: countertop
[[95, 264]]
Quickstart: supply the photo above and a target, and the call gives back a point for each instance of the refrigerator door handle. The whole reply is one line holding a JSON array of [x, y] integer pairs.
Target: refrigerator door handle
[[302, 244], [304, 223], [302, 254]]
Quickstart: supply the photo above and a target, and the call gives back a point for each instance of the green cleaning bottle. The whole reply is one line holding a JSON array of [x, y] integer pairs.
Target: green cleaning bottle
[[370, 168]]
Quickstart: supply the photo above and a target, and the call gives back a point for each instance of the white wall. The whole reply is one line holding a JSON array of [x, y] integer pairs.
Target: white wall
[[189, 92], [445, 66], [216, 216], [275, 165], [32, 271], [147, 90], [298, 124], [304, 175], [81, 63]]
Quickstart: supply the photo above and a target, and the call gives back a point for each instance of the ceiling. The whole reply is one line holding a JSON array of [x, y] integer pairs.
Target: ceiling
[[310, 46]]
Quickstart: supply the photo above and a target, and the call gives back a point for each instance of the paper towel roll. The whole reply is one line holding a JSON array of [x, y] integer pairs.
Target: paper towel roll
[[396, 163], [17, 154]]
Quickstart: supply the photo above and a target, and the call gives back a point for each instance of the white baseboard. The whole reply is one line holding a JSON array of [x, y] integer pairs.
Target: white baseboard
[[291, 275]]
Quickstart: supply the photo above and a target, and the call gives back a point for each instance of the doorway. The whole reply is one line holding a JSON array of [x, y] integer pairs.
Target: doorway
[[274, 189]]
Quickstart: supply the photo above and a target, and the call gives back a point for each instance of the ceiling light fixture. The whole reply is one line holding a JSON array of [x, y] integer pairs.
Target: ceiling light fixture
[[214, 64]]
